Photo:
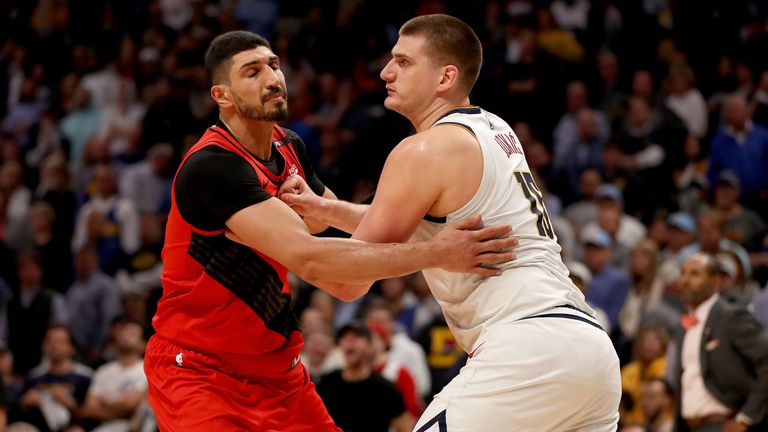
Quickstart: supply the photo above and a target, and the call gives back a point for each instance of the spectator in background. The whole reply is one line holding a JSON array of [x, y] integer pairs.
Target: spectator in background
[[647, 144], [581, 212], [584, 150], [118, 387], [610, 284], [396, 373], [611, 96], [759, 105], [18, 199], [357, 399], [740, 146], [691, 178], [320, 355], [711, 240], [148, 183], [686, 101], [628, 231], [402, 302], [576, 99], [649, 361], [399, 346], [721, 370], [582, 278], [108, 221], [54, 188], [657, 403], [24, 114], [741, 224], [31, 312], [647, 288], [55, 251], [80, 125], [95, 300], [55, 389], [122, 118]]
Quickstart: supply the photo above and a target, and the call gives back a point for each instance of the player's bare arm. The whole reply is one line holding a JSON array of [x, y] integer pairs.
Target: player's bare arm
[[316, 225], [339, 214], [346, 268], [416, 181], [420, 178]]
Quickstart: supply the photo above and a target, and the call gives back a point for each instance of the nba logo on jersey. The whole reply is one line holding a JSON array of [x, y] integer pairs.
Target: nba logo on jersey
[[293, 170]]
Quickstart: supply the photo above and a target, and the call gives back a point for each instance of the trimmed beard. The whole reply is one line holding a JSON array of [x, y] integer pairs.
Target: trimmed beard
[[253, 112]]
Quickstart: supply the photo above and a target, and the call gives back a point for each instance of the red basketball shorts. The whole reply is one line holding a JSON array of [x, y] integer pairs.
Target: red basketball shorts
[[191, 391]]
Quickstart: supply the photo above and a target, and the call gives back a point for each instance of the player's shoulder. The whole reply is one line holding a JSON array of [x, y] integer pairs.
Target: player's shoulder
[[293, 137], [439, 137]]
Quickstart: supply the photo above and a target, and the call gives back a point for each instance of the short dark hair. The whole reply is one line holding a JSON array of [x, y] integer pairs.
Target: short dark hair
[[449, 40], [63, 327], [218, 57]]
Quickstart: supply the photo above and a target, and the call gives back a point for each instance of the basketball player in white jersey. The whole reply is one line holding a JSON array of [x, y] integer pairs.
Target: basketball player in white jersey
[[539, 361]]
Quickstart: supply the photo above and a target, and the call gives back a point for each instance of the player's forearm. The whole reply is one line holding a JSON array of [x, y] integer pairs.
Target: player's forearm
[[348, 267], [342, 215]]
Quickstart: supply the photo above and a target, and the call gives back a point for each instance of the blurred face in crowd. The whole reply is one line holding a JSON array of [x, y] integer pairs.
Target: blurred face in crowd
[[639, 113], [677, 238], [104, 180], [651, 346], [57, 344], [576, 96], [129, 338], [692, 147], [411, 76], [382, 320], [589, 181], [726, 196], [642, 84], [30, 272], [642, 261], [86, 262], [736, 112], [697, 282], [587, 126], [311, 320], [596, 257], [357, 349], [710, 234], [256, 86], [654, 399], [317, 345], [609, 218]]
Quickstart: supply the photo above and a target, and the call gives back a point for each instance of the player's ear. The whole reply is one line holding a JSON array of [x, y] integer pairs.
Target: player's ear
[[221, 95], [449, 78]]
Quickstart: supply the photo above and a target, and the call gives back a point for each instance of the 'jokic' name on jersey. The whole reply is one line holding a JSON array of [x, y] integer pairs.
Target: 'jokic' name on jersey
[[508, 143]]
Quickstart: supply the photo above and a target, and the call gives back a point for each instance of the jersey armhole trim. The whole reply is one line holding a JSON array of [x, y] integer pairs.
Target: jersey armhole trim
[[461, 125]]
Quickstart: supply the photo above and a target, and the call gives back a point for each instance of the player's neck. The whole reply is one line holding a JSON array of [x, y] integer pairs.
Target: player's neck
[[255, 136], [423, 119]]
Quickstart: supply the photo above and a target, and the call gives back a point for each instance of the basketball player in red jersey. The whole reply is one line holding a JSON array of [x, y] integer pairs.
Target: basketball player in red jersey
[[225, 356]]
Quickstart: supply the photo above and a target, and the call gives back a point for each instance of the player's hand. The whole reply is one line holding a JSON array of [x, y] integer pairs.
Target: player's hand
[[297, 194], [465, 248]]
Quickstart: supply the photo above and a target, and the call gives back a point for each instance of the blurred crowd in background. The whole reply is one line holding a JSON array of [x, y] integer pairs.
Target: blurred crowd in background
[[643, 121]]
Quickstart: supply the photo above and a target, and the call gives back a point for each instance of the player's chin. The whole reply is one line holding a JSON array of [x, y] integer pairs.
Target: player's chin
[[390, 103]]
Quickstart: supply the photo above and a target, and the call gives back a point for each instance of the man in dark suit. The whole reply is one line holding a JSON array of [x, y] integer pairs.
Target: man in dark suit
[[722, 362]]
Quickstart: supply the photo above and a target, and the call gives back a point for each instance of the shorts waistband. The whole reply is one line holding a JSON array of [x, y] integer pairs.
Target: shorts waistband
[[236, 365], [583, 316]]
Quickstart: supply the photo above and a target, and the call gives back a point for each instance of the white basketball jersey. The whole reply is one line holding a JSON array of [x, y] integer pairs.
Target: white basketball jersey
[[534, 282]]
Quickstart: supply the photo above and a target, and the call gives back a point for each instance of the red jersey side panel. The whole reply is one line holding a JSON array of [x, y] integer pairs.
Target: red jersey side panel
[[223, 298]]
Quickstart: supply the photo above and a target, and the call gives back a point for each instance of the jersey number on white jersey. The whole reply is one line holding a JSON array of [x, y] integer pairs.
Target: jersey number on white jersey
[[534, 195]]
